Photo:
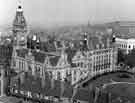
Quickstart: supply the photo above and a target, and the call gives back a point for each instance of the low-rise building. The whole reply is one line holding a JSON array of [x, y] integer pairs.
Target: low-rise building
[[30, 88], [125, 44], [101, 57]]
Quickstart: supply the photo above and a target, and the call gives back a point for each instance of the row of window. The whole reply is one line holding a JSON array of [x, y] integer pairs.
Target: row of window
[[102, 57], [21, 66], [59, 75], [125, 46], [29, 94], [102, 61], [101, 67], [102, 52], [82, 65]]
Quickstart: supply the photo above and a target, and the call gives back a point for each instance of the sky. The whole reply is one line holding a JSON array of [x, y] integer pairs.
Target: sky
[[62, 12]]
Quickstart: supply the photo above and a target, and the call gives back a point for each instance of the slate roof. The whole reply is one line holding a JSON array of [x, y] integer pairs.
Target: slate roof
[[54, 60], [39, 56], [22, 52]]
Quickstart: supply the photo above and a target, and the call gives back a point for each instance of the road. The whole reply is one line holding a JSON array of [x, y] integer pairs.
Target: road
[[126, 91], [115, 83]]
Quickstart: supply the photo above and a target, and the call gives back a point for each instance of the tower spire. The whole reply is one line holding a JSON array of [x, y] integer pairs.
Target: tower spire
[[20, 27], [19, 9]]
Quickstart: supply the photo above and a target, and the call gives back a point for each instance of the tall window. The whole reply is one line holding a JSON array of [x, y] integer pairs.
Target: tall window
[[67, 73], [50, 74], [14, 63], [58, 76], [29, 69], [38, 70], [74, 75], [20, 65], [129, 46]]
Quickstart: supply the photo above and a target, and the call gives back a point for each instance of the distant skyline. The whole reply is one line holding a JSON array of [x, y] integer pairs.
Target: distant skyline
[[68, 12]]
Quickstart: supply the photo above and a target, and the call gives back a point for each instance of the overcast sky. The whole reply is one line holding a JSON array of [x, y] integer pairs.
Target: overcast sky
[[52, 12]]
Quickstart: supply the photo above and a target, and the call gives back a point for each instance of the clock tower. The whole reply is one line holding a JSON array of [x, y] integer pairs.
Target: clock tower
[[20, 31]]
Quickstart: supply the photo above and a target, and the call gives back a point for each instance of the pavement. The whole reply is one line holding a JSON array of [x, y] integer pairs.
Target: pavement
[[121, 88]]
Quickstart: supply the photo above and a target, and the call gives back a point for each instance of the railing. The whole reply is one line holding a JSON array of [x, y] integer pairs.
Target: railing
[[91, 76], [115, 83]]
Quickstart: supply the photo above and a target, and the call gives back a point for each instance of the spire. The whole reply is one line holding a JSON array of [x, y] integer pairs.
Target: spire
[[19, 8], [19, 23], [85, 41]]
